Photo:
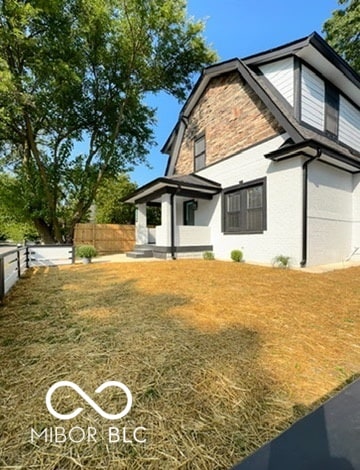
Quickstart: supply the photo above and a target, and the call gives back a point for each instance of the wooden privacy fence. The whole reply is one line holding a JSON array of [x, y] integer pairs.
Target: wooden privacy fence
[[106, 238], [14, 261]]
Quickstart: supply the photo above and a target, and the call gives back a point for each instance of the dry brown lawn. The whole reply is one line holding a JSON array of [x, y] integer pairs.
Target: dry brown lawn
[[219, 357]]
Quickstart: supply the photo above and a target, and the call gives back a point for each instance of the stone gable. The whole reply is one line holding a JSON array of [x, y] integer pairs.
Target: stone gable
[[232, 117]]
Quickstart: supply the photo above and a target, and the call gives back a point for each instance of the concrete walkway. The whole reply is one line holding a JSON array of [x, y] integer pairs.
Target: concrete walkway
[[120, 258], [330, 267]]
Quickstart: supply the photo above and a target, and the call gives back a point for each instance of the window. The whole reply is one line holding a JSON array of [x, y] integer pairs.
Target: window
[[189, 212], [199, 153], [331, 110], [245, 208]]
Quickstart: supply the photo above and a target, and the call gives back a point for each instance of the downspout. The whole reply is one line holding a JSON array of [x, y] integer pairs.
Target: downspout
[[305, 208]]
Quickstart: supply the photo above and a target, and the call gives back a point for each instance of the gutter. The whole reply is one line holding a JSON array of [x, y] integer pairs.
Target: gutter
[[178, 136], [305, 207]]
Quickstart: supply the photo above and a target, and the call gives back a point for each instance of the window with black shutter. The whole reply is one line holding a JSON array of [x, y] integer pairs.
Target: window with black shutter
[[245, 207]]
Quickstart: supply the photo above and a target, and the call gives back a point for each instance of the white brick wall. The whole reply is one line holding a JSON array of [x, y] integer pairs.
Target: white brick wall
[[284, 205], [188, 235], [356, 212], [330, 214]]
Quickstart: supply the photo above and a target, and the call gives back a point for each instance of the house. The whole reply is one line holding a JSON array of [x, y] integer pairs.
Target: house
[[265, 157]]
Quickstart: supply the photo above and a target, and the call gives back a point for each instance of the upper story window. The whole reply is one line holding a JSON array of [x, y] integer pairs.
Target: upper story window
[[324, 108], [331, 110], [199, 152], [245, 207], [316, 102]]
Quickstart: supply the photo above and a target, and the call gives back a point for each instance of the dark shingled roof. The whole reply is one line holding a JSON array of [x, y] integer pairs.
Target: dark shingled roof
[[282, 111], [181, 183]]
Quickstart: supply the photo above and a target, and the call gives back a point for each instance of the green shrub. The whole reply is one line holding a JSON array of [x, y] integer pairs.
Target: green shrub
[[282, 261], [209, 255], [85, 251], [236, 255]]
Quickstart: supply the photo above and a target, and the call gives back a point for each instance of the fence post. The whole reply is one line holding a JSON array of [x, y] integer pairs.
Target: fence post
[[73, 255], [2, 279], [94, 235], [27, 257], [18, 263]]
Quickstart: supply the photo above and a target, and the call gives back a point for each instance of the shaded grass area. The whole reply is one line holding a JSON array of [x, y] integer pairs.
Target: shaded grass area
[[219, 357]]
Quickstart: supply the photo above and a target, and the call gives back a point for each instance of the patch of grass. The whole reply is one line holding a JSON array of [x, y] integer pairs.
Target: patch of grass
[[208, 255], [218, 360]]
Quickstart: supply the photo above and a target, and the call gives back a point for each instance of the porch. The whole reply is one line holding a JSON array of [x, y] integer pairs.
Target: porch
[[186, 208]]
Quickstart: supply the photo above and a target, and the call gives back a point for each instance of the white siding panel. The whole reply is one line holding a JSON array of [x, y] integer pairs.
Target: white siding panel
[[312, 99], [349, 124], [281, 75]]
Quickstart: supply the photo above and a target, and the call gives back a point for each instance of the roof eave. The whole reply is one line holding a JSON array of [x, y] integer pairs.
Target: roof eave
[[277, 52], [314, 149], [163, 183], [332, 56]]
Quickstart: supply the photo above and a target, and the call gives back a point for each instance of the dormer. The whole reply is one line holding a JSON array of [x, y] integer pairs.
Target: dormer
[[319, 89], [303, 90]]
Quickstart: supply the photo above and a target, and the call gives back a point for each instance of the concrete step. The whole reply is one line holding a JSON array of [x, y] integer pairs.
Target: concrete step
[[140, 254], [144, 247]]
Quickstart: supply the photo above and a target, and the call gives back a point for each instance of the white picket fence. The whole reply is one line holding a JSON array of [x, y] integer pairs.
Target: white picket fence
[[14, 261]]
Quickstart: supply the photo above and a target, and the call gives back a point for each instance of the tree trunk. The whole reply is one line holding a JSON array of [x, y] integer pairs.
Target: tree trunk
[[44, 231], [71, 230]]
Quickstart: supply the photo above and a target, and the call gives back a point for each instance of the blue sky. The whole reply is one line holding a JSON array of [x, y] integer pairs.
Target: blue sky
[[237, 28]]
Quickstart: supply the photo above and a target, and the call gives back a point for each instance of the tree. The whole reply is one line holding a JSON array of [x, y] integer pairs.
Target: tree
[[342, 32], [80, 70], [109, 208], [13, 224]]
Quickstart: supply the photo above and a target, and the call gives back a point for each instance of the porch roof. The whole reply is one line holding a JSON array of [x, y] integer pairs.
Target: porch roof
[[314, 149], [192, 186]]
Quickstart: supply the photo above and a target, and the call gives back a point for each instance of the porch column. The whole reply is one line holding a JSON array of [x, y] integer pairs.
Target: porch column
[[165, 237], [141, 231]]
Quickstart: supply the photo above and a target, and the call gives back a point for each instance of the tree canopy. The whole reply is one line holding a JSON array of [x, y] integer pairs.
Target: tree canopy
[[13, 223], [342, 32], [108, 206], [79, 71]]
